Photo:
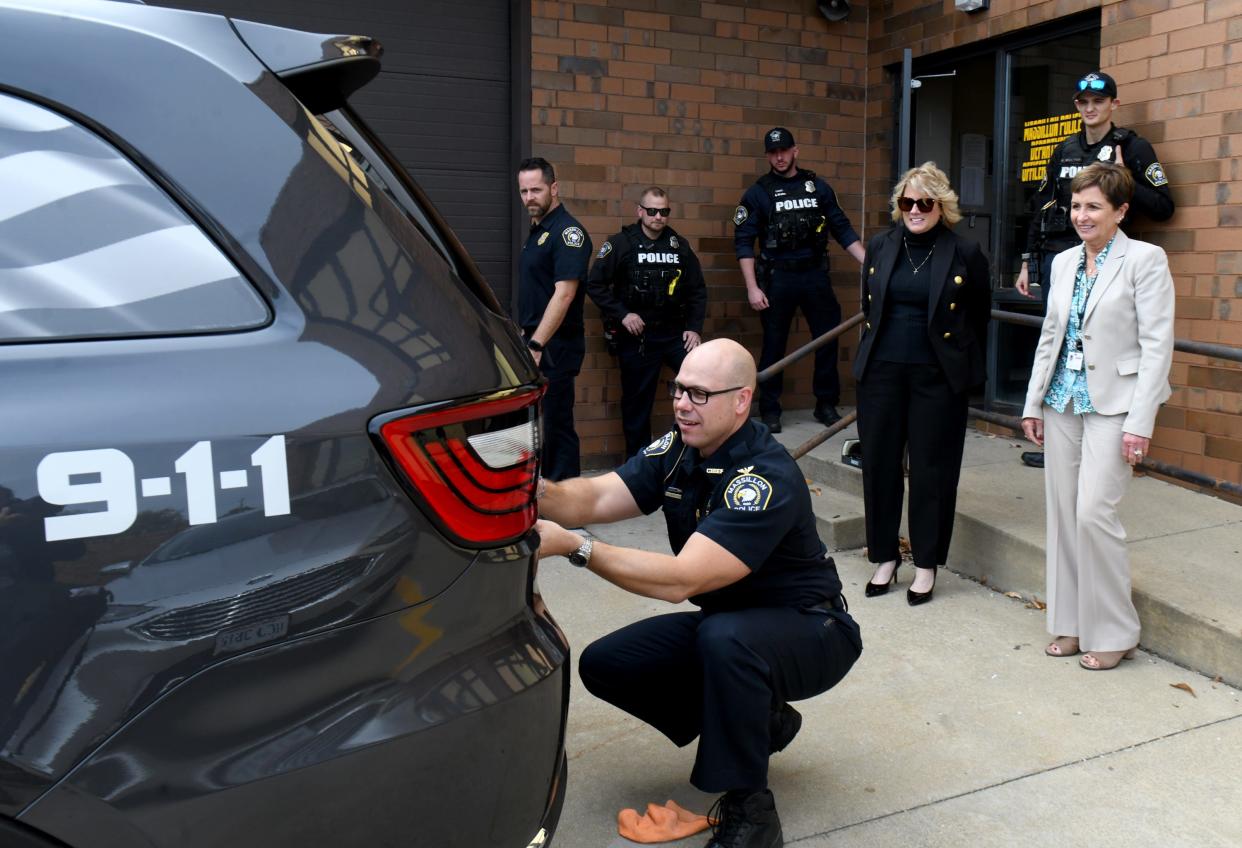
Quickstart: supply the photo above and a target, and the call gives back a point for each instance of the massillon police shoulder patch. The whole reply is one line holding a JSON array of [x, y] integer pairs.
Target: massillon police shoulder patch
[[604, 250], [661, 445], [573, 237], [1155, 175], [748, 492], [740, 214]]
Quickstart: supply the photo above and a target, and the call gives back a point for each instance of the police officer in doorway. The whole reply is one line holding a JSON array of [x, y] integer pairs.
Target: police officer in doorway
[[1100, 140], [649, 287], [553, 263], [772, 625], [792, 213]]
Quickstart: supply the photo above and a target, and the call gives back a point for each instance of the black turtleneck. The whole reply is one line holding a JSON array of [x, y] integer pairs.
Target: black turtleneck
[[903, 326]]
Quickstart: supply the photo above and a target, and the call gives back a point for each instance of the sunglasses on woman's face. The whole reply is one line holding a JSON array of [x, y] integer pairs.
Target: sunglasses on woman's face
[[925, 204]]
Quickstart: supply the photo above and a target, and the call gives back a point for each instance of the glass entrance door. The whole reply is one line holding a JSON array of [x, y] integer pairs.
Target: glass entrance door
[[990, 119]]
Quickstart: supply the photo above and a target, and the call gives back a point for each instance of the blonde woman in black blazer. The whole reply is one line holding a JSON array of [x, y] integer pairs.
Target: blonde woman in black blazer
[[927, 297]]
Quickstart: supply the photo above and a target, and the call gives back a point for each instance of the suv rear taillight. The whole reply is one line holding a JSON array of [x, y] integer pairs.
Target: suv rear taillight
[[473, 466]]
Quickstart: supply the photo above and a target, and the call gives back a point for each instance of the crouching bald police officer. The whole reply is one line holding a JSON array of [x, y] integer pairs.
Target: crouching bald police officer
[[792, 212], [1099, 140], [772, 625], [649, 287]]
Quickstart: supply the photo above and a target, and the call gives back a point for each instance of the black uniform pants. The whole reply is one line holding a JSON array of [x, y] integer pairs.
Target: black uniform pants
[[641, 358], [902, 404], [811, 291], [718, 677], [560, 440]]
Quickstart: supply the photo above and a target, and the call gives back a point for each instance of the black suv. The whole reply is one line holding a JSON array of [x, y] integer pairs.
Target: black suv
[[268, 453]]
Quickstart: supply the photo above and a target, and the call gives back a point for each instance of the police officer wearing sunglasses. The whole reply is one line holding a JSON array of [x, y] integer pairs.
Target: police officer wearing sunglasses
[[649, 288], [792, 213], [1099, 140], [772, 625]]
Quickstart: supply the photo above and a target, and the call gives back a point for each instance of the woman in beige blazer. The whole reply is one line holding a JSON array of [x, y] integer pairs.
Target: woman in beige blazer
[[1101, 371]]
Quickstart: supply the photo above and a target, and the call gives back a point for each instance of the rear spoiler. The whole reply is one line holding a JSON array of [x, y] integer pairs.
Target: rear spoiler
[[321, 70]]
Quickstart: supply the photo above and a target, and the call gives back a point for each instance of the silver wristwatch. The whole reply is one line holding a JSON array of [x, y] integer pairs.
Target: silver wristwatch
[[582, 556]]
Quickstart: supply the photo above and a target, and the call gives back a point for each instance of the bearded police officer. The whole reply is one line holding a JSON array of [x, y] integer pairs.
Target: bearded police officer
[[553, 263], [792, 213], [772, 625], [1099, 140], [649, 288]]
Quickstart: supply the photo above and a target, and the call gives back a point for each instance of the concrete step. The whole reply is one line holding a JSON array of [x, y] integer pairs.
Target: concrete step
[[1185, 547], [838, 517]]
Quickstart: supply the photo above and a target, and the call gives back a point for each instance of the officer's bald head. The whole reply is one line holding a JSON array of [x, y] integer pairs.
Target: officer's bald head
[[729, 361], [723, 368]]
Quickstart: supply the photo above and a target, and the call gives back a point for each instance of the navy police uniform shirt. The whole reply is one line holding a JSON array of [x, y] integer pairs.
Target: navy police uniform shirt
[[609, 279], [558, 248], [1152, 198], [751, 217], [751, 499]]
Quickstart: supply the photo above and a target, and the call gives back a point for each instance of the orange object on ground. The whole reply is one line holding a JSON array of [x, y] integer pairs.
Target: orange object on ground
[[660, 824]]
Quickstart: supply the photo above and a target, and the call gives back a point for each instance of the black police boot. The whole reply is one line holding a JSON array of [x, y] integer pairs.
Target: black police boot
[[783, 726], [772, 422], [745, 820], [1035, 459], [826, 414]]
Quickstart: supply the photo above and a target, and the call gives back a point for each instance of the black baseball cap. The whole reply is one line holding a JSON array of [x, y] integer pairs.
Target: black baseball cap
[[776, 138], [1096, 82]]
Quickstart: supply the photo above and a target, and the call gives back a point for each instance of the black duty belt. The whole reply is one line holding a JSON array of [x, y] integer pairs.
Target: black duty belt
[[808, 264], [834, 604]]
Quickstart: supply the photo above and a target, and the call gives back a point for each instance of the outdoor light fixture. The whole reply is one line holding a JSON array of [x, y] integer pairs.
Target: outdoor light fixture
[[965, 5], [838, 10]]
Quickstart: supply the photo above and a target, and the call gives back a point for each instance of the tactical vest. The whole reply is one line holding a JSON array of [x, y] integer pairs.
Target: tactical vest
[[796, 220], [654, 276], [1074, 157]]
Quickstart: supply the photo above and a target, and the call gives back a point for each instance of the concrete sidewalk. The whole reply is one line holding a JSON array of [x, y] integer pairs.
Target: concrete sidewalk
[[953, 729]]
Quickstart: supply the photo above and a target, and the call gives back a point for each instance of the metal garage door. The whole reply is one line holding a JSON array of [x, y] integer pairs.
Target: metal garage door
[[442, 102]]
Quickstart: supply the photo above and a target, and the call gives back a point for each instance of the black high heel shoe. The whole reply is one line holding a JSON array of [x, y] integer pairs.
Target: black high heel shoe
[[872, 590], [914, 598]]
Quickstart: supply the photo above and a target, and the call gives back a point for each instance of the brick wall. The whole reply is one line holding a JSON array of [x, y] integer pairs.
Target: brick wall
[[1179, 67], [678, 92]]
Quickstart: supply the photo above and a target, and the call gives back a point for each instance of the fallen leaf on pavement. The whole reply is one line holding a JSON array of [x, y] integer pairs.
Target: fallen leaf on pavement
[[1013, 595], [1036, 603], [1185, 687]]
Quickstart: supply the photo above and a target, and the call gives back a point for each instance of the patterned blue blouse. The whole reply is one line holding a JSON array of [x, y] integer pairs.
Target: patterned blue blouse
[[1068, 384]]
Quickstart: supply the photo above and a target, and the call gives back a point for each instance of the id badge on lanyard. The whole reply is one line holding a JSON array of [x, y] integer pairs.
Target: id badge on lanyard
[[1074, 359]]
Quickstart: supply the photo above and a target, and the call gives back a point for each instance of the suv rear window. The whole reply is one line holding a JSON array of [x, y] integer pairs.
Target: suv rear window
[[92, 248]]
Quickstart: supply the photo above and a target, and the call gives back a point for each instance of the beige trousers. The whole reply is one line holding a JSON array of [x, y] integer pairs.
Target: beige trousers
[[1085, 478]]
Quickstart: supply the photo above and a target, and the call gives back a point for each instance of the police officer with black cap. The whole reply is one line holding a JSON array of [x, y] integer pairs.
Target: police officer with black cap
[[792, 213], [553, 263], [649, 288], [1051, 230], [772, 625]]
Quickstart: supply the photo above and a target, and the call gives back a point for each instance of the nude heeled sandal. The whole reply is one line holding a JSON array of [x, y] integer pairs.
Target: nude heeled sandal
[[1104, 660]]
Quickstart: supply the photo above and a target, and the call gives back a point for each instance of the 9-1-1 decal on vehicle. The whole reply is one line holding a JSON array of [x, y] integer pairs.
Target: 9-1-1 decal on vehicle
[[106, 475]]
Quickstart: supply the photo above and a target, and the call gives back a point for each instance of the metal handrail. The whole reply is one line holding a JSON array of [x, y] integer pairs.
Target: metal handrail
[[810, 347], [1013, 422], [1216, 351]]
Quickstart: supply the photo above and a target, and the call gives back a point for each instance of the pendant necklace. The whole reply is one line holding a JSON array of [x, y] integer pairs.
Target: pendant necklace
[[911, 259]]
